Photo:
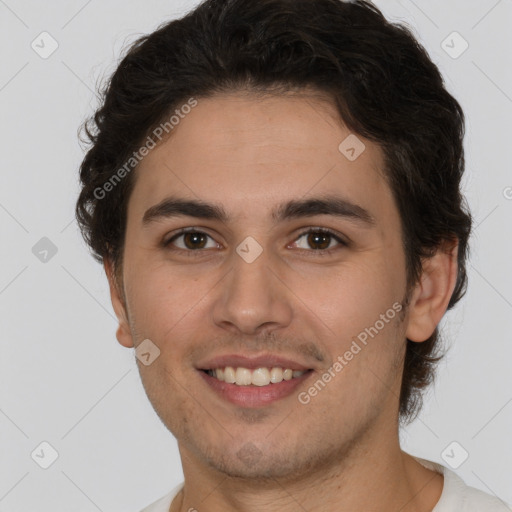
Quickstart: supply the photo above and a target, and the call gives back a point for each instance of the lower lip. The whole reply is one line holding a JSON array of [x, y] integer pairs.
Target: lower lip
[[254, 396]]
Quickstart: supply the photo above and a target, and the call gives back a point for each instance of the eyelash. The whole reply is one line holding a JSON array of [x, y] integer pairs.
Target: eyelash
[[317, 252]]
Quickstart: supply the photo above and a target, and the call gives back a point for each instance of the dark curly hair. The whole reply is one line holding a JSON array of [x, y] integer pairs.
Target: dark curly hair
[[381, 80]]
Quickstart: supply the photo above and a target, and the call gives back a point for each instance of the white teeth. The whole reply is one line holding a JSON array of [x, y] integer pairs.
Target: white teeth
[[261, 377], [243, 377], [229, 375], [276, 375], [258, 377]]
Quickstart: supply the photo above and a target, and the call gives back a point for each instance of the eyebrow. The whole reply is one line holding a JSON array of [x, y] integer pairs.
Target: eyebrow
[[294, 209]]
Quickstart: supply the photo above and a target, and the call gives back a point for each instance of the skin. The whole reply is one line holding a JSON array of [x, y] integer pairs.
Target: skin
[[250, 154]]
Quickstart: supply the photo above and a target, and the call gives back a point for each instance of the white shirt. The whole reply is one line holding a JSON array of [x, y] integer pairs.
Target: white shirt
[[455, 497]]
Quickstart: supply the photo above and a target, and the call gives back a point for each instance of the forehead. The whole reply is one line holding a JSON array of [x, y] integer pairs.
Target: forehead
[[250, 153]]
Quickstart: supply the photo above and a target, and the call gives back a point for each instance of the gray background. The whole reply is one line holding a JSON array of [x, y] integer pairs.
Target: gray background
[[65, 380]]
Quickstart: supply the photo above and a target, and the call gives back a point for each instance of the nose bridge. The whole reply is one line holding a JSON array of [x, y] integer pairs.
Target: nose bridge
[[252, 296]]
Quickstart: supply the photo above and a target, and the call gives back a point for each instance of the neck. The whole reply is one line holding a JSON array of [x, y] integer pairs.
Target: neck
[[379, 479]]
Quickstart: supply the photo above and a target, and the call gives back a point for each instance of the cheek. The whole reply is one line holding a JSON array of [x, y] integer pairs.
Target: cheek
[[367, 344], [160, 299], [173, 308], [351, 298]]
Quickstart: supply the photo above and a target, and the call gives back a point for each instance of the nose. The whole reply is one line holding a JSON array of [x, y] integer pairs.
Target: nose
[[253, 297]]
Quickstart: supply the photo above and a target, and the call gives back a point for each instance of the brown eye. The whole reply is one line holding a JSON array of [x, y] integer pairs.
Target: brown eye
[[320, 240], [190, 241], [194, 240]]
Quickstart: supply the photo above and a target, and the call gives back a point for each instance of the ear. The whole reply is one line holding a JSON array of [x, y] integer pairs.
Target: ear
[[123, 333], [432, 293]]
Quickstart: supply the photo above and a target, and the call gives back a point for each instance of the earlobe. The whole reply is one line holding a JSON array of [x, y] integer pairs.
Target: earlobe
[[433, 292], [123, 332]]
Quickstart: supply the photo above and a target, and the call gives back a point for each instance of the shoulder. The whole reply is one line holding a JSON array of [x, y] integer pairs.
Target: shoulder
[[164, 503], [475, 500], [457, 496]]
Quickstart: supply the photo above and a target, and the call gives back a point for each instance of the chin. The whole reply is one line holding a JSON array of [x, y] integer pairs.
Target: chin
[[258, 468], [259, 463]]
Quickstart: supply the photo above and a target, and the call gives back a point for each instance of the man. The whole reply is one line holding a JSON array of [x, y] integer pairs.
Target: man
[[273, 189]]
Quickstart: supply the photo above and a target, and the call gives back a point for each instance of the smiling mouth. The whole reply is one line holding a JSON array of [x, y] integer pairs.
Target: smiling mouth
[[258, 377]]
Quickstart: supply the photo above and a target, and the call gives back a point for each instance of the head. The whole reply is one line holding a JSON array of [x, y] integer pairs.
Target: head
[[249, 106]]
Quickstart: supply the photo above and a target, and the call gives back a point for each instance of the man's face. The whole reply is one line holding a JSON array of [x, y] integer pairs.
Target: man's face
[[256, 290]]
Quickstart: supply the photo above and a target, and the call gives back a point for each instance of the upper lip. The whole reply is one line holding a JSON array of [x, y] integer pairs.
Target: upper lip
[[252, 362]]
